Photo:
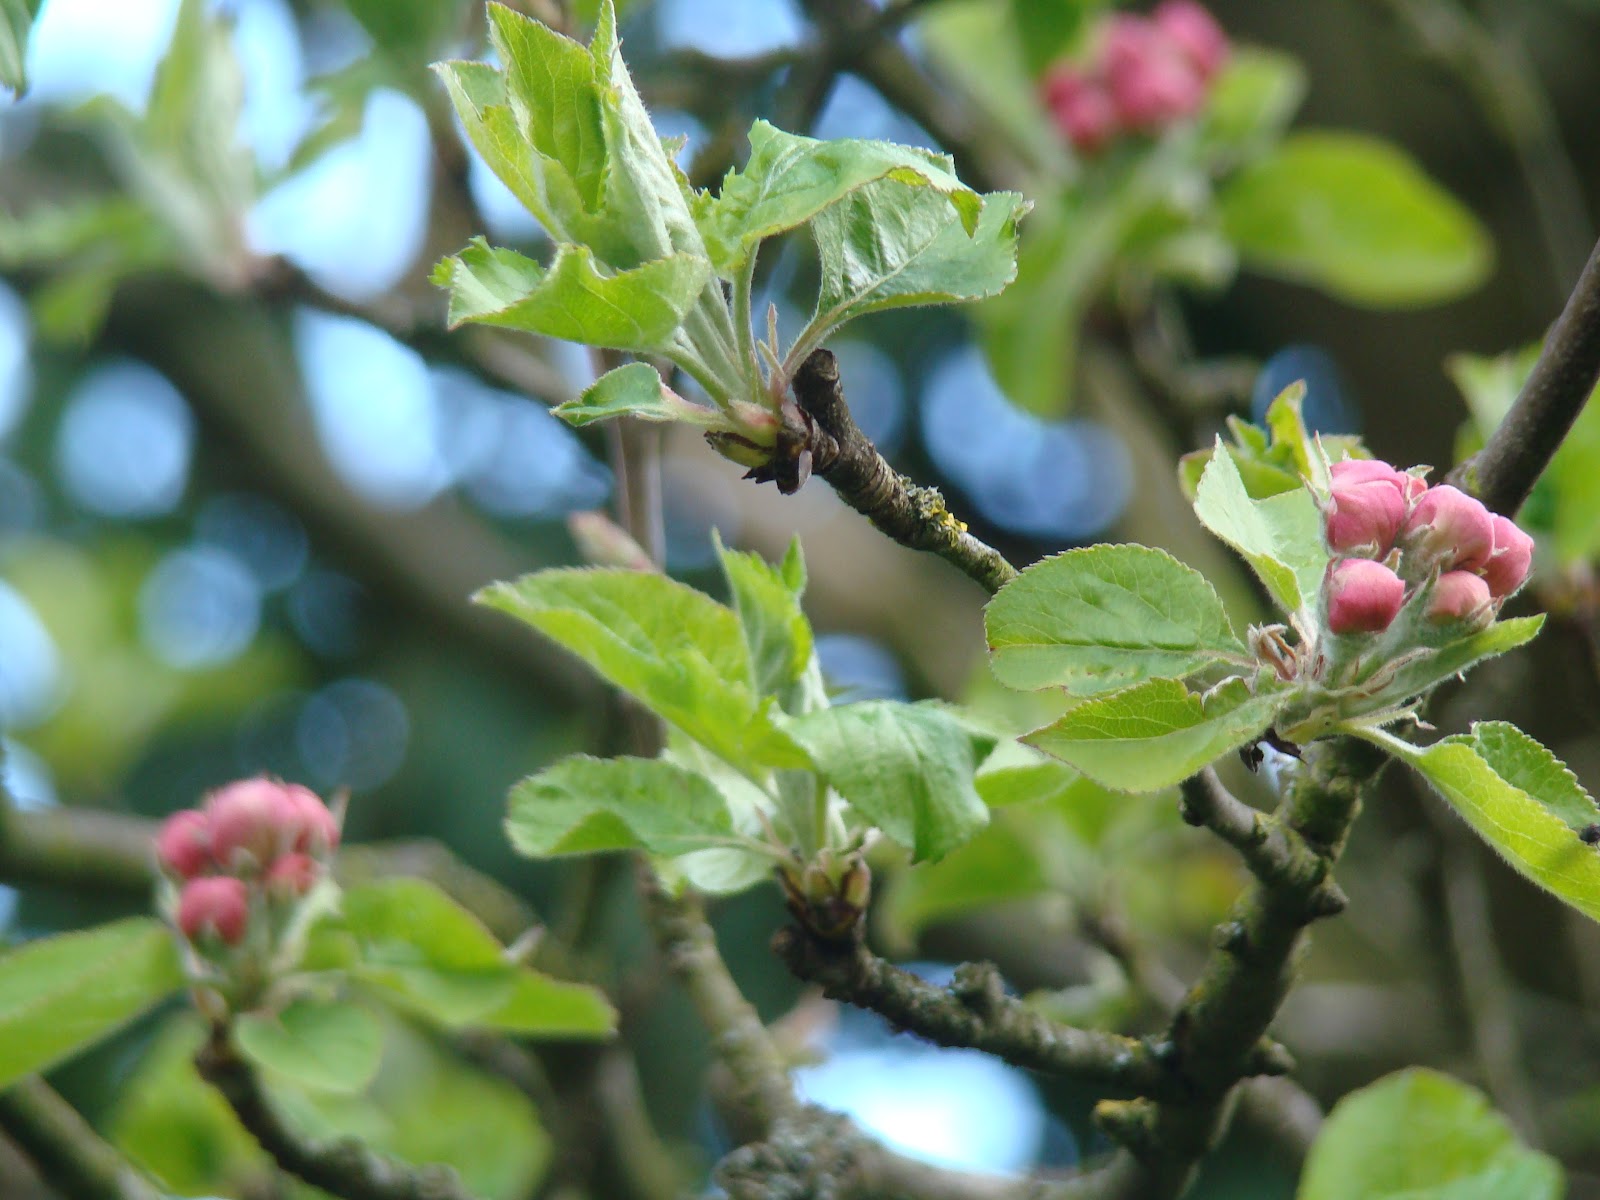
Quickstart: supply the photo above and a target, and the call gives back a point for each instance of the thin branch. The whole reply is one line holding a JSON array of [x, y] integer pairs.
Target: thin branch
[[1504, 472], [344, 1168], [70, 1156], [828, 441], [975, 1012], [1218, 1033]]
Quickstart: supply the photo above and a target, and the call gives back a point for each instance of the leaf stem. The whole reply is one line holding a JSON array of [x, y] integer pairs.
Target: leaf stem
[[743, 319]]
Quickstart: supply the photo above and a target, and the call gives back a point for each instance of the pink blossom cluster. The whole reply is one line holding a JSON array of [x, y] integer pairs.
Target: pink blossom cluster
[[254, 838], [1390, 532], [1145, 74]]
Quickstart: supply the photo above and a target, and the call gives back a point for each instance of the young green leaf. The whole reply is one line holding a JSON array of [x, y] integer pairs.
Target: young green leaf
[[1157, 733], [16, 19], [1356, 217], [1102, 617], [675, 649], [60, 994], [1520, 799], [330, 1046], [775, 630], [1417, 676], [634, 390], [789, 179], [583, 805], [1252, 101], [639, 309], [424, 952], [906, 768], [892, 245], [1420, 1135], [1280, 537]]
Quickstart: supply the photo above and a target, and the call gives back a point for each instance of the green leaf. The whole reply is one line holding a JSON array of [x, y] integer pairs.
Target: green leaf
[[1420, 1135], [59, 995], [1048, 29], [423, 951], [789, 180], [635, 390], [1280, 537], [1000, 865], [585, 805], [16, 19], [1253, 100], [892, 245], [675, 649], [1453, 658], [776, 631], [408, 30], [1099, 618], [1356, 217], [330, 1046], [1158, 733], [906, 768], [638, 309], [1520, 799]]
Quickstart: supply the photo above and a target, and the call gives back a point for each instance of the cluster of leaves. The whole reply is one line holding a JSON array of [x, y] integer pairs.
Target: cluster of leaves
[[1164, 685], [759, 768], [646, 263], [1349, 214], [380, 983]]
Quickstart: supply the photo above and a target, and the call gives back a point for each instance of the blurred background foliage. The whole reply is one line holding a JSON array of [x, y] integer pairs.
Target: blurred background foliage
[[247, 483]]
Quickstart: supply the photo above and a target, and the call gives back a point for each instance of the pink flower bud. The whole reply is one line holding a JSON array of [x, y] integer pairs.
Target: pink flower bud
[[1195, 31], [311, 828], [1352, 471], [1507, 568], [1082, 108], [252, 822], [1460, 596], [183, 844], [1449, 528], [218, 906], [292, 876], [1150, 78], [1362, 596], [1363, 518]]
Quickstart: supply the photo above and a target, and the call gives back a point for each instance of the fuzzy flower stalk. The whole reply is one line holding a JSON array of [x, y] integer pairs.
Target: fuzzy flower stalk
[[241, 879], [1142, 75]]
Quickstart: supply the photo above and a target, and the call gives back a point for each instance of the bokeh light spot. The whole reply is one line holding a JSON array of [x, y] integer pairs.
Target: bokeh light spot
[[353, 734], [200, 607], [30, 667], [124, 442]]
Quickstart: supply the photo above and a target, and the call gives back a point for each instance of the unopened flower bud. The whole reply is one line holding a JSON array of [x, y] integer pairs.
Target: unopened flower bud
[[251, 821], [1196, 32], [292, 876], [1150, 79], [1082, 108], [1350, 471], [1362, 596], [183, 844], [309, 827], [1365, 508], [1507, 568], [1460, 596], [1449, 528], [218, 906]]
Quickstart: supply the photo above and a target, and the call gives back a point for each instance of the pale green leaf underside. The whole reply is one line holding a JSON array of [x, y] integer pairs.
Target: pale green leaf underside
[[906, 768], [1157, 733], [789, 179], [1356, 217], [893, 245], [63, 993], [574, 300], [1418, 676], [634, 390], [330, 1046], [1280, 537], [585, 805], [425, 953], [1103, 617], [775, 629], [1484, 775], [1420, 1135], [675, 649]]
